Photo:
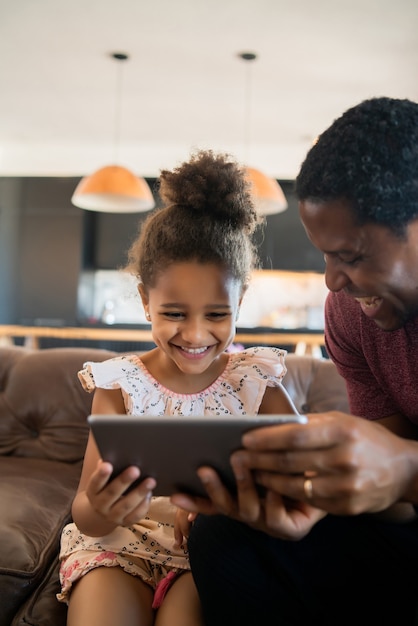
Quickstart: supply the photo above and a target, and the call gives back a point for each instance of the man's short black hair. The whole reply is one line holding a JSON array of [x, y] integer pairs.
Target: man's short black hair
[[368, 156]]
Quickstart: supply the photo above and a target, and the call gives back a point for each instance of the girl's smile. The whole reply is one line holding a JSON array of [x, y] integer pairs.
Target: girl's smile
[[194, 353]]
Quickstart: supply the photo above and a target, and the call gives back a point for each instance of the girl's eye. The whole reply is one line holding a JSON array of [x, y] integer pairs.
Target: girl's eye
[[218, 316], [178, 315], [174, 315]]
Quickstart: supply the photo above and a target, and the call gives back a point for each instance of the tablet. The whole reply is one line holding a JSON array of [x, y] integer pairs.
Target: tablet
[[171, 448]]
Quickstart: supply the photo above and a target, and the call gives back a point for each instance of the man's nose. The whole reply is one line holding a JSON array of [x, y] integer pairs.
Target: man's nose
[[335, 278]]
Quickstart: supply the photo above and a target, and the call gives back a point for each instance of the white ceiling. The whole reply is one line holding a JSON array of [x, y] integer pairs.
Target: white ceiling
[[184, 86]]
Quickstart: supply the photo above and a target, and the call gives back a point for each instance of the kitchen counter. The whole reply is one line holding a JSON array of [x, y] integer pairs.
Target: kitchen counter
[[304, 342]]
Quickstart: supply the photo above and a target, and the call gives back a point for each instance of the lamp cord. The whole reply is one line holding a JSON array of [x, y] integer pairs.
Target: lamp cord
[[118, 56], [248, 57], [247, 117]]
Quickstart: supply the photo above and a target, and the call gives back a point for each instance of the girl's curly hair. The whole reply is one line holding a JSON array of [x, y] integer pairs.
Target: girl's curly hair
[[208, 216], [368, 156]]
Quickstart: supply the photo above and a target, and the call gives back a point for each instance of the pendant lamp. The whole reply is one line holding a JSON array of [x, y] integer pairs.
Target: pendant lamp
[[113, 188], [267, 194]]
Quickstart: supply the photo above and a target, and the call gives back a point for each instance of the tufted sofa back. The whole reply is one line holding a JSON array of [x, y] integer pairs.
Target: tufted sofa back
[[314, 384], [43, 407]]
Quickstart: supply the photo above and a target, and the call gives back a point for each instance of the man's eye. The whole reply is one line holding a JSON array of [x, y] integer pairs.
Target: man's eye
[[217, 316], [353, 261]]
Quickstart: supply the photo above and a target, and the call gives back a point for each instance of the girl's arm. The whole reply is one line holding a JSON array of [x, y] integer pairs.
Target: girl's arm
[[99, 505], [276, 400]]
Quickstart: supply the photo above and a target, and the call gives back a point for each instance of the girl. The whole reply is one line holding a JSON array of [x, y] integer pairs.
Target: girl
[[125, 559]]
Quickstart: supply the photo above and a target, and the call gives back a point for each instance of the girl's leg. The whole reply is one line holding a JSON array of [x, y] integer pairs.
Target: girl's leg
[[108, 596], [181, 605]]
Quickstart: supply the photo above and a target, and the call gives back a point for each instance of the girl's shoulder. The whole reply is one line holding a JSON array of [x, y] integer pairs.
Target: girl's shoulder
[[259, 361], [107, 374]]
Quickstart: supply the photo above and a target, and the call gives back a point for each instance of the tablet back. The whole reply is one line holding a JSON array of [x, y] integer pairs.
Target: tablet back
[[171, 448]]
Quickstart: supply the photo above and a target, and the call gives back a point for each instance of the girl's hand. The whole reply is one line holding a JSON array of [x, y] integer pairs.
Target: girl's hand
[[112, 501], [182, 524], [272, 514]]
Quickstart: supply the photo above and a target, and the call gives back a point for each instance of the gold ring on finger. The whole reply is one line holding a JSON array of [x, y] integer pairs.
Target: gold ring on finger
[[308, 488]]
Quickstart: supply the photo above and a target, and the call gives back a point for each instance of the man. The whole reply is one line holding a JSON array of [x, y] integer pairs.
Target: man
[[336, 540]]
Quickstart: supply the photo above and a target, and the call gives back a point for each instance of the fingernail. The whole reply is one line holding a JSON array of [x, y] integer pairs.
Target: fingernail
[[204, 477]]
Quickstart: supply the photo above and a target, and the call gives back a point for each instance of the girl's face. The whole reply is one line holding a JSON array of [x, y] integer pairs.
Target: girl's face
[[193, 309]]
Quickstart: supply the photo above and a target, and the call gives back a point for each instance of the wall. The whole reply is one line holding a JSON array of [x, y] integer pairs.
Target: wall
[[282, 242], [10, 202], [41, 236], [275, 299], [46, 242]]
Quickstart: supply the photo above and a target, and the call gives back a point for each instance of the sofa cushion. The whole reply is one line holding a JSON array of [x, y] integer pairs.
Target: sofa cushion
[[42, 608], [43, 434], [35, 496]]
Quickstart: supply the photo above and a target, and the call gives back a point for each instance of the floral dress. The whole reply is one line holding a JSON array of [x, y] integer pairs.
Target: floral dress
[[146, 549]]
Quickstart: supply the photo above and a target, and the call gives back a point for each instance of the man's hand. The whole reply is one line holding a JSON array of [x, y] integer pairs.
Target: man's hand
[[353, 465], [273, 514]]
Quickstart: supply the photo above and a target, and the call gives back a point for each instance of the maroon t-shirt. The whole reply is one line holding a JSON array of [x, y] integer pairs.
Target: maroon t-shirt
[[380, 367]]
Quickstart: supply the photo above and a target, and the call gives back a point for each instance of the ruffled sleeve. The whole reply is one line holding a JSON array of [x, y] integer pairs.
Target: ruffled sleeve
[[262, 361], [250, 372], [106, 375]]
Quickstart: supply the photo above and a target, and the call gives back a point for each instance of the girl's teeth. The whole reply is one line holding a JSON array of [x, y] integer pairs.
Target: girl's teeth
[[194, 350]]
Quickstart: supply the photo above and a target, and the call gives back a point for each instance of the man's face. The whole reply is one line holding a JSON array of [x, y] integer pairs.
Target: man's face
[[370, 263]]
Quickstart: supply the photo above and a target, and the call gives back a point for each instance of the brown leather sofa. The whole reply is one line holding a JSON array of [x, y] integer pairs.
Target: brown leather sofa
[[43, 433]]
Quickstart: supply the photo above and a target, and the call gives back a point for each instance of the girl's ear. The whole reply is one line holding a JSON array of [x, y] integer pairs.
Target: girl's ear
[[144, 296], [243, 290]]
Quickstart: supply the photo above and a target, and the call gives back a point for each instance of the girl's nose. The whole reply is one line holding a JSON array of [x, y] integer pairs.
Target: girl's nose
[[193, 331]]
